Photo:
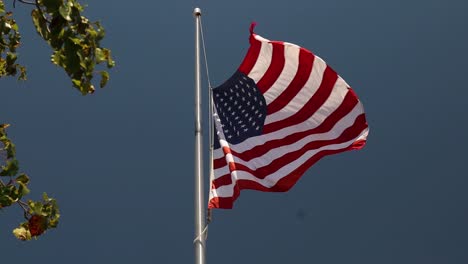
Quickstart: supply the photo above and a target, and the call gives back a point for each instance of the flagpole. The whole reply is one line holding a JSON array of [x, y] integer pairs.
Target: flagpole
[[199, 242]]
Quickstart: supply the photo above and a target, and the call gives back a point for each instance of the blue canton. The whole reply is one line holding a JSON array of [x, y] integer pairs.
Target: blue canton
[[241, 108]]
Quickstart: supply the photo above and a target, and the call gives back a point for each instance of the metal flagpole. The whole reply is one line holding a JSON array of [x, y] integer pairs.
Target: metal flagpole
[[199, 242]]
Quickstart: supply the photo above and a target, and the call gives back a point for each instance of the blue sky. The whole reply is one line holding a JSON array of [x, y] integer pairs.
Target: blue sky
[[120, 162]]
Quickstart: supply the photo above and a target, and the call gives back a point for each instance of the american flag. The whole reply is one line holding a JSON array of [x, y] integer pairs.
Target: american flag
[[282, 111]]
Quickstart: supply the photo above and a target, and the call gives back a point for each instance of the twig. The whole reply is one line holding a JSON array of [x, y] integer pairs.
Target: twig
[[23, 205], [23, 2]]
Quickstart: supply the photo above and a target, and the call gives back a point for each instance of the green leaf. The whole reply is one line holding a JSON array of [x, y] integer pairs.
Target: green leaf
[[100, 55], [23, 178], [51, 5], [104, 78], [110, 61], [65, 11], [5, 199], [2, 7], [10, 169], [40, 23], [46, 198], [23, 190], [11, 58], [22, 75], [76, 83], [77, 41], [35, 207]]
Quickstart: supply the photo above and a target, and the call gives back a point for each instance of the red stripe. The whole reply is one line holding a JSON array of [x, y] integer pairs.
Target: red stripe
[[218, 163], [326, 87], [283, 185], [350, 133], [275, 68], [252, 55], [348, 103], [306, 60], [225, 179], [224, 202], [288, 181]]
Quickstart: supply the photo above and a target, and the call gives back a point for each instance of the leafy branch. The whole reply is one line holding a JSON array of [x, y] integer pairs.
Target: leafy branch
[[75, 42], [40, 215], [76, 47], [9, 42]]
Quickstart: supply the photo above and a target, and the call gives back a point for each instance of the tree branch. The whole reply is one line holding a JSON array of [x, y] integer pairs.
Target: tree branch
[[23, 2], [23, 205]]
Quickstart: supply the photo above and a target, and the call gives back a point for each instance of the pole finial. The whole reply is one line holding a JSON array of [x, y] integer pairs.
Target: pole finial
[[197, 11]]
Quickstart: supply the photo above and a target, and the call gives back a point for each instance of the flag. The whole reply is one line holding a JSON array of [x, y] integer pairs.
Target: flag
[[282, 111]]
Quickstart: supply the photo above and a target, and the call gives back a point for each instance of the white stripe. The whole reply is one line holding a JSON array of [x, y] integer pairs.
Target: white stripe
[[272, 179], [260, 38], [331, 104], [273, 154], [304, 95], [291, 64], [223, 143], [263, 62]]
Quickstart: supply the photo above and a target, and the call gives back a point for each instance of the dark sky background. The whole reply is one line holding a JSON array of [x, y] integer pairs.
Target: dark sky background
[[120, 162]]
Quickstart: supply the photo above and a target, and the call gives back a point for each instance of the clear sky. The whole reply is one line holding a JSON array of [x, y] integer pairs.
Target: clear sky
[[120, 162]]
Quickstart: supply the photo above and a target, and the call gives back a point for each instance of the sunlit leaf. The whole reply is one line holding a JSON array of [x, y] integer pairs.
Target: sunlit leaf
[[104, 78], [65, 11]]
